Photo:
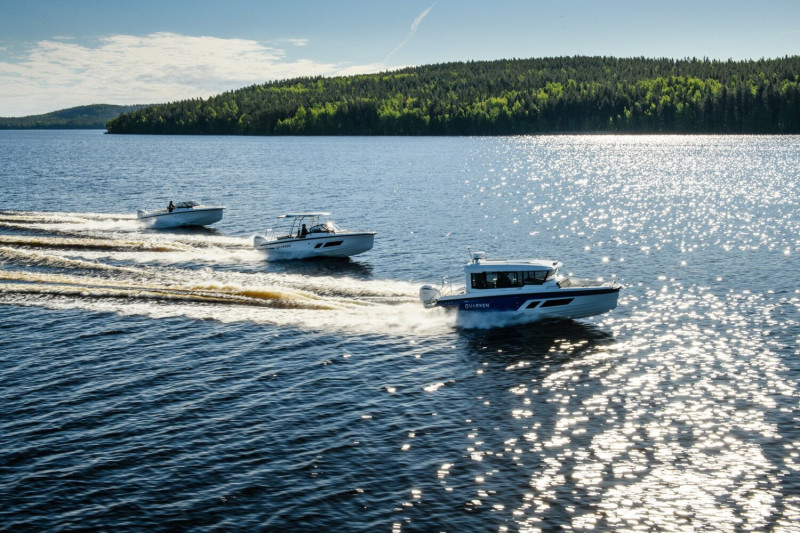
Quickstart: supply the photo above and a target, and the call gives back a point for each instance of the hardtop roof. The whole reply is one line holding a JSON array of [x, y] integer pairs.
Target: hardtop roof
[[513, 264], [309, 214]]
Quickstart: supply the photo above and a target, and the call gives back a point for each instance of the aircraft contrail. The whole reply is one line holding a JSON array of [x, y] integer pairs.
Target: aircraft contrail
[[414, 26]]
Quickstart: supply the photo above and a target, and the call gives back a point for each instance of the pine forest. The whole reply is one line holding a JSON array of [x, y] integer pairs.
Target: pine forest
[[503, 97]]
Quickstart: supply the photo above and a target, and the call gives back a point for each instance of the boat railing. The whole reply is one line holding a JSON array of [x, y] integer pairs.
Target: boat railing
[[271, 235], [447, 287]]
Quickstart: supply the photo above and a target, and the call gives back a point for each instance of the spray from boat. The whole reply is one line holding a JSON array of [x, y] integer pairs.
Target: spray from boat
[[109, 263]]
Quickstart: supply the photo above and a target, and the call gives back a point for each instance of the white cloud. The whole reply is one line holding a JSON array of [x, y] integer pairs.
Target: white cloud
[[296, 42], [154, 68]]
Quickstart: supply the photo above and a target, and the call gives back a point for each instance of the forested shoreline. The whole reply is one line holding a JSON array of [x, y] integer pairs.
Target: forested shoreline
[[93, 116], [504, 97]]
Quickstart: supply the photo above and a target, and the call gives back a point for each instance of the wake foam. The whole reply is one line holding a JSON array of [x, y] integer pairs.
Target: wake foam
[[105, 262]]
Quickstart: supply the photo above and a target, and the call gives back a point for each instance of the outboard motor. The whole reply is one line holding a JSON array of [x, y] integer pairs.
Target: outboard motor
[[428, 295]]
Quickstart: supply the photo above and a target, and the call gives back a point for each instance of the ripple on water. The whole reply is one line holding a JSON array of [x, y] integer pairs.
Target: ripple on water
[[178, 381]]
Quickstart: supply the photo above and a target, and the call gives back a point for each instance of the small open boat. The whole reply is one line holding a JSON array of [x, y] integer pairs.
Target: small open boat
[[308, 235], [181, 214], [530, 287]]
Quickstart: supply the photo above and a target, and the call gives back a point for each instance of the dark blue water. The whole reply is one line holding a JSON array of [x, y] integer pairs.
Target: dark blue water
[[177, 381]]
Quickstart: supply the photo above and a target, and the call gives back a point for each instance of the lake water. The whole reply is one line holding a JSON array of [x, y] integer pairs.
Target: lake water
[[178, 381]]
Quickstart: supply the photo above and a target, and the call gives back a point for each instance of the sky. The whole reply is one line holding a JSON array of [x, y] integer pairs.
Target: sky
[[56, 54]]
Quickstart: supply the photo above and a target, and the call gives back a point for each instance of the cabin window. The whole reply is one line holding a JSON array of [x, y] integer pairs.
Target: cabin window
[[508, 279], [496, 280], [535, 278], [479, 281]]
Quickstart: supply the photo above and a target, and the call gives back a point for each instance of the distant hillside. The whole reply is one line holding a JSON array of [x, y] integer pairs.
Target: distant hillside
[[83, 117], [520, 96]]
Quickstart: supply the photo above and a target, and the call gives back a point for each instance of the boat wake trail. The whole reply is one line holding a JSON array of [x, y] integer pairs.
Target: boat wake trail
[[108, 263]]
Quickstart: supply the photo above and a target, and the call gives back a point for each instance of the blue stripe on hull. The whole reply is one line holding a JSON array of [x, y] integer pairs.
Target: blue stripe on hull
[[512, 302]]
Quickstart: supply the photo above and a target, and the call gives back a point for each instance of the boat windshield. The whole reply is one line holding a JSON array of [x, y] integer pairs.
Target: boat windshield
[[327, 227], [503, 279], [310, 222]]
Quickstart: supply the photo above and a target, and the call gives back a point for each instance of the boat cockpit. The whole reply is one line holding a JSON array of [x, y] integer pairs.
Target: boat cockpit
[[187, 205], [327, 227], [301, 222]]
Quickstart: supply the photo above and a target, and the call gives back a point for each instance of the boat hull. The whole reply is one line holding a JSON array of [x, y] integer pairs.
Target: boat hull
[[562, 303], [334, 245], [181, 217]]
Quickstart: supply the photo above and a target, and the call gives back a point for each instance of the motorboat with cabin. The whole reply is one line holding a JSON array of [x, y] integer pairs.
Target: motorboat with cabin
[[308, 235], [529, 287], [189, 213]]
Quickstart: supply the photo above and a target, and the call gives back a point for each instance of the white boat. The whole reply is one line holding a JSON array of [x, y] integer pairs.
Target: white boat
[[529, 287], [307, 235], [181, 214]]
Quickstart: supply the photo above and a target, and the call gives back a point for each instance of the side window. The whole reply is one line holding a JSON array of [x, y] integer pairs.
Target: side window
[[538, 277], [499, 280], [535, 278], [503, 279], [479, 281]]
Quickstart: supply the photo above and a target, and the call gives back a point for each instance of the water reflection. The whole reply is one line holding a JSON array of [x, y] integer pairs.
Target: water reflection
[[186, 230], [560, 339], [322, 266], [514, 419], [676, 412], [666, 423]]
